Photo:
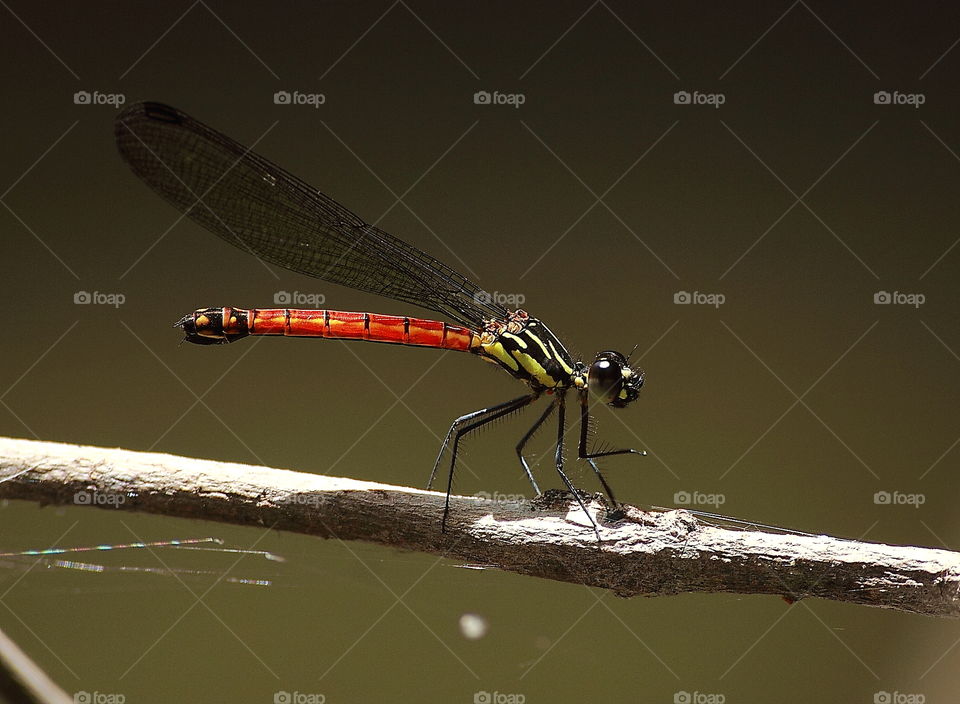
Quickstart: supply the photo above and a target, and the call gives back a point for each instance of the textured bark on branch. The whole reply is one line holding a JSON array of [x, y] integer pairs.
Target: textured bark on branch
[[648, 553]]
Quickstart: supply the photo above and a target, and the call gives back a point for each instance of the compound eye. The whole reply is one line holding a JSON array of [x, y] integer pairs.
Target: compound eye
[[605, 379]]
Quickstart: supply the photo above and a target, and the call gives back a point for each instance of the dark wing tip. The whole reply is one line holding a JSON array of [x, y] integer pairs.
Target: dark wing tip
[[130, 121]]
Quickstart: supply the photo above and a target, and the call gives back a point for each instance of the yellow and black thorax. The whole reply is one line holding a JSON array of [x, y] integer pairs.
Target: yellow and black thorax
[[528, 350]]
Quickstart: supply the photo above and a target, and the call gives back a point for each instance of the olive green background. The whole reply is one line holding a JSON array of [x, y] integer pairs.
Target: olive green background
[[693, 198]]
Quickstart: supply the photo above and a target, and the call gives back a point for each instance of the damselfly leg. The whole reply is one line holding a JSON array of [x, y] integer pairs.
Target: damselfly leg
[[466, 424], [560, 403], [590, 457], [470, 422], [523, 443]]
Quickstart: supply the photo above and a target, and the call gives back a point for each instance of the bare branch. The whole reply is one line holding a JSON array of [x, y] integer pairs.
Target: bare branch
[[648, 553]]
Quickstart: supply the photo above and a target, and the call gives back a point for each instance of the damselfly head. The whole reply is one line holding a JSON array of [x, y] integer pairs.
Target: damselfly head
[[612, 379]]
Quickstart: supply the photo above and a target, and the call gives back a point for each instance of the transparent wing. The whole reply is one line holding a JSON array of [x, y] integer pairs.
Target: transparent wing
[[264, 210]]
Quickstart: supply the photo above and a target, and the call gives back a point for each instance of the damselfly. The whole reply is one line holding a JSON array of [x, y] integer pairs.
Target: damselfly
[[264, 210]]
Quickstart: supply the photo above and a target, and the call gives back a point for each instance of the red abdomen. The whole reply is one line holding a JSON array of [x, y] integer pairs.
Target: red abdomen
[[213, 325]]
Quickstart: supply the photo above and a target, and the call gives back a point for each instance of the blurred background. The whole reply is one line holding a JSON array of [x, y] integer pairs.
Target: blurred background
[[761, 196]]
